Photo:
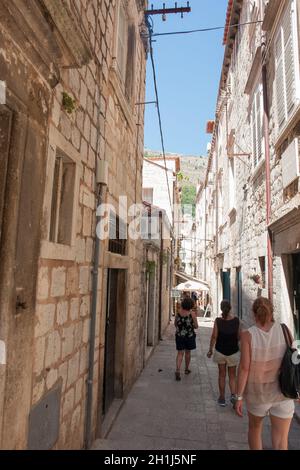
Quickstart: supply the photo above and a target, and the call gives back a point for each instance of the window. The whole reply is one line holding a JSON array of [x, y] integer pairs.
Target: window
[[148, 195], [231, 182], [262, 265], [286, 74], [62, 200], [122, 42], [117, 234], [126, 46], [257, 125]]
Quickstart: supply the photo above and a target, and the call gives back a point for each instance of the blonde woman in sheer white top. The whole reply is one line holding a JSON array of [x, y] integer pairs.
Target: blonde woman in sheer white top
[[262, 350]]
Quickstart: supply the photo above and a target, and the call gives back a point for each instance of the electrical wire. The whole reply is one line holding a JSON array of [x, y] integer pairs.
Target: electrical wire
[[203, 30], [150, 29]]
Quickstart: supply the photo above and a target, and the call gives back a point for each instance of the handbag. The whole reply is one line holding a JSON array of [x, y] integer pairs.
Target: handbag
[[289, 375]]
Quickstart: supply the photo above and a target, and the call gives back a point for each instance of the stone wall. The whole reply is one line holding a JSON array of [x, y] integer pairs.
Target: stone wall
[[103, 124], [239, 216]]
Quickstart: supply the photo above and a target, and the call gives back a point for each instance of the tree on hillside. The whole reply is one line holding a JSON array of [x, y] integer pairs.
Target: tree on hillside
[[188, 198]]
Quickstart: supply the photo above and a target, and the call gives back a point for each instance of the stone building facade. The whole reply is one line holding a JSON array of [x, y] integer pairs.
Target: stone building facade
[[248, 208], [74, 71]]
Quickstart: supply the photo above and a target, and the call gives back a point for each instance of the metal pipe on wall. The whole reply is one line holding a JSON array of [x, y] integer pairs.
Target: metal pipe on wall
[[268, 179], [90, 379], [160, 275]]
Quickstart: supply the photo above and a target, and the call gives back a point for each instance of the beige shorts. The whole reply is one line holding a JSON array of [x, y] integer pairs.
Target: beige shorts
[[282, 409], [230, 361]]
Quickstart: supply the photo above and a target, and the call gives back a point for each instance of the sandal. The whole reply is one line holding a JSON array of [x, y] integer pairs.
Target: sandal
[[177, 375], [187, 371]]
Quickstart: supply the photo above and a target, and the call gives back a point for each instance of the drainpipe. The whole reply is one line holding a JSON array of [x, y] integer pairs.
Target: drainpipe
[[160, 275], [90, 380], [101, 180], [268, 180]]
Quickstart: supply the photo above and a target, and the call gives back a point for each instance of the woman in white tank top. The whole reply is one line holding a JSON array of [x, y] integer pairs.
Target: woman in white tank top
[[262, 350]]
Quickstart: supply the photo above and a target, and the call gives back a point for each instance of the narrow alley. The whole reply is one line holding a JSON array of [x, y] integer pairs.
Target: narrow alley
[[160, 413]]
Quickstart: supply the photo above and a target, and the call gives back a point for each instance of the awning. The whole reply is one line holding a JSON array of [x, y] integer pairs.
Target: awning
[[192, 286], [187, 277]]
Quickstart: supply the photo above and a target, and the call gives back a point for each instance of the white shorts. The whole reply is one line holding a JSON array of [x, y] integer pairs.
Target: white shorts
[[282, 409], [230, 361]]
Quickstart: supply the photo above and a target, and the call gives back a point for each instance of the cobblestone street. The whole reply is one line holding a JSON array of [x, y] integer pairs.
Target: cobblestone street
[[160, 413]]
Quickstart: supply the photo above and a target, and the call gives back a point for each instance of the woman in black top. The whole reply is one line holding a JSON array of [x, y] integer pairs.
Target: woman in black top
[[185, 336], [225, 338]]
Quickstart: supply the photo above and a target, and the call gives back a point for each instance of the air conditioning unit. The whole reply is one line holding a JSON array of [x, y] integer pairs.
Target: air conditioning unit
[[290, 163]]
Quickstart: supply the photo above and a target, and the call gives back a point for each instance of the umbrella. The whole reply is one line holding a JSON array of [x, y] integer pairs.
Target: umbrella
[[192, 286]]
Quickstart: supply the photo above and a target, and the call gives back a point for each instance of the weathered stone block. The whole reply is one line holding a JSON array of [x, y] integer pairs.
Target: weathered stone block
[[83, 360], [73, 369], [83, 94], [45, 319], [87, 222], [85, 306], [72, 280], [84, 277], [86, 331], [67, 341], [43, 283], [51, 378], [63, 374], [39, 355], [78, 335], [38, 391], [74, 309], [68, 402], [62, 312], [78, 391], [53, 348], [58, 283]]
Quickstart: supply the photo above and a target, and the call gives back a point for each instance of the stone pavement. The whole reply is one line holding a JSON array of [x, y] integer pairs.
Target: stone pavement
[[162, 414]]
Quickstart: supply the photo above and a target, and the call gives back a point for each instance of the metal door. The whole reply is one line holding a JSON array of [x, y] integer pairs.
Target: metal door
[[226, 285], [110, 339], [239, 292], [296, 293]]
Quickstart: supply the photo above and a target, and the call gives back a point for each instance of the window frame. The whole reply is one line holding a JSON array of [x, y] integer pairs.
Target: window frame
[[122, 73], [291, 8], [257, 96], [126, 78], [50, 249]]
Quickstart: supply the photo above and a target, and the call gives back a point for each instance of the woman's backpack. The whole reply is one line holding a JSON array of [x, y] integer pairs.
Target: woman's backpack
[[289, 376]]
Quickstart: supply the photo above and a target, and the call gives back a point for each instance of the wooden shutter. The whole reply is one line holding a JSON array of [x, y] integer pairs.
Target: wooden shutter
[[130, 61], [5, 135], [122, 40], [259, 130], [285, 71], [257, 126], [279, 81], [289, 65], [254, 136]]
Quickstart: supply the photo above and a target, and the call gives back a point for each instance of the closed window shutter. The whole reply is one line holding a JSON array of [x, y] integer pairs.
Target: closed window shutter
[[254, 135], [122, 38], [290, 81], [285, 70], [279, 81], [259, 132], [257, 126], [130, 61]]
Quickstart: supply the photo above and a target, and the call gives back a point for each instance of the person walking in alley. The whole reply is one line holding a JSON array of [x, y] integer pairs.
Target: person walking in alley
[[262, 349], [225, 337], [185, 336]]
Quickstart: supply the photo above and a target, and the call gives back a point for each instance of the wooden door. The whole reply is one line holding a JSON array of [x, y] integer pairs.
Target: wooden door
[[110, 339]]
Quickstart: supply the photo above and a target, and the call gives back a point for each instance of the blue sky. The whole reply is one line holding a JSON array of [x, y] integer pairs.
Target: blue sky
[[188, 69]]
